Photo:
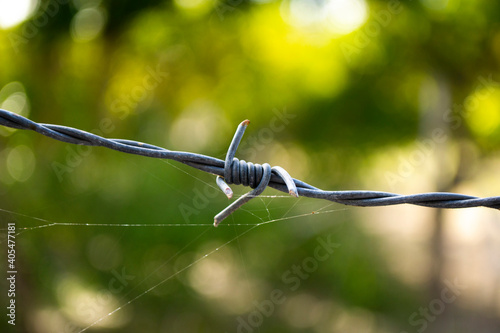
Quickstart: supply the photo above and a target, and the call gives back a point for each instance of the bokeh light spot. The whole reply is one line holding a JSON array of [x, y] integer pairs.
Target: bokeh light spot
[[481, 113], [13, 13], [192, 131], [345, 16], [190, 4], [84, 305], [21, 163], [87, 24], [13, 98], [304, 12], [338, 17]]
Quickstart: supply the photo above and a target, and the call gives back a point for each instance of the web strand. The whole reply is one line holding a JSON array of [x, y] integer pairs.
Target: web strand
[[236, 238], [265, 218]]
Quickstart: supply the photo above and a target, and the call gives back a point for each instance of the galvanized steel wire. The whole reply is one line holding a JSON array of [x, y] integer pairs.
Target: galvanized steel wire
[[235, 171]]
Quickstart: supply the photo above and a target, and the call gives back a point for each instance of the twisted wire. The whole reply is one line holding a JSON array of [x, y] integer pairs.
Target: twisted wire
[[239, 172]]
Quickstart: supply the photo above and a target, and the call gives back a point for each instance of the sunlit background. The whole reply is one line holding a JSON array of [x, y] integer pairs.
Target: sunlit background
[[400, 96]]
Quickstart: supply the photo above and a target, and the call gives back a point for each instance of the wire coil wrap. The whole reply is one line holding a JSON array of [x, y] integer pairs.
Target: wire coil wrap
[[244, 173], [254, 175]]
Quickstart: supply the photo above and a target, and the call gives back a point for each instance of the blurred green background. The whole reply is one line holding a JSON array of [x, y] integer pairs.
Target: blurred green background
[[399, 96]]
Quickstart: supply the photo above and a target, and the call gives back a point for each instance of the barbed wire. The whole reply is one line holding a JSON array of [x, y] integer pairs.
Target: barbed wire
[[239, 172]]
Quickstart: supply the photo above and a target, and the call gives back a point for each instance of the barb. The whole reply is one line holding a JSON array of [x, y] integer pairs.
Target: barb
[[256, 176]]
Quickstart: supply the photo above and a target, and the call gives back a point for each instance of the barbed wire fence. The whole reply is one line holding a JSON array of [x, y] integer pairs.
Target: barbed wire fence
[[239, 172]]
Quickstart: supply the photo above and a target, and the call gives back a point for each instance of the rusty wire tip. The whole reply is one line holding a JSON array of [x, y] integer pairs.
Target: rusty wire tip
[[224, 187], [245, 122], [216, 223], [293, 193]]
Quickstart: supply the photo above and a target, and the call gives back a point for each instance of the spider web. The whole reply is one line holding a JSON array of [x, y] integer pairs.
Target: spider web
[[263, 215]]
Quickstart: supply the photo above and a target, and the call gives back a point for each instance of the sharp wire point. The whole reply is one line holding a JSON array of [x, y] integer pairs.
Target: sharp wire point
[[224, 187]]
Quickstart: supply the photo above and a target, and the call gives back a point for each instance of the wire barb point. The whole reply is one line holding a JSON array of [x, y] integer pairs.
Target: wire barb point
[[224, 187]]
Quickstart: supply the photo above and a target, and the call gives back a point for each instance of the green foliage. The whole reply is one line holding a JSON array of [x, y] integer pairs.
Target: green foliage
[[182, 75]]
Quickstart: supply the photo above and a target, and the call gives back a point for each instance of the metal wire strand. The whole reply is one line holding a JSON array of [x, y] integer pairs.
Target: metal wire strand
[[256, 176]]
